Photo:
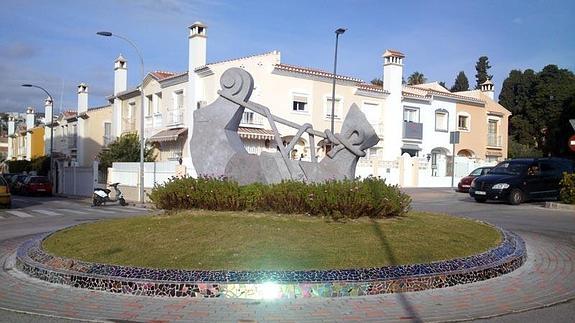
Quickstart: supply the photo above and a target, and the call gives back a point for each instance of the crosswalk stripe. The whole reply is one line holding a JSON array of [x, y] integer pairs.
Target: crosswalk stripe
[[73, 211], [46, 212], [20, 214]]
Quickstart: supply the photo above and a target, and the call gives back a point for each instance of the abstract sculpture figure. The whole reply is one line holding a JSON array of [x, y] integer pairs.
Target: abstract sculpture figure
[[217, 149]]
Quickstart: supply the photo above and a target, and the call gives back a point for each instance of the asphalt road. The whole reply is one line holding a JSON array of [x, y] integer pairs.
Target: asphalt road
[[36, 214]]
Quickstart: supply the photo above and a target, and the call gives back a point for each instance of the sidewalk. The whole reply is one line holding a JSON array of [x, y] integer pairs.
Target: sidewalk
[[547, 277]]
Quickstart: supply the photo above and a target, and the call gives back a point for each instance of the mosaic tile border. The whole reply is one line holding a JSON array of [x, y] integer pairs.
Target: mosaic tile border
[[506, 257]]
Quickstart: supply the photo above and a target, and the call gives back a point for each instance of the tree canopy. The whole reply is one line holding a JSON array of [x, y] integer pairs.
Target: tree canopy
[[481, 67], [416, 78], [124, 149], [461, 83], [542, 104], [377, 81]]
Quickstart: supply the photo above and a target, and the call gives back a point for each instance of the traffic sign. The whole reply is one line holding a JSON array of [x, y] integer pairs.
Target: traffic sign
[[571, 143], [572, 122], [454, 137]]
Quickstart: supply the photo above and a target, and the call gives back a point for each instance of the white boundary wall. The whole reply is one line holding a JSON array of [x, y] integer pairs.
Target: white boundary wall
[[127, 174]]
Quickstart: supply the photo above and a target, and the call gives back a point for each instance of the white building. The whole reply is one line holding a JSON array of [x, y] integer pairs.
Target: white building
[[409, 119]]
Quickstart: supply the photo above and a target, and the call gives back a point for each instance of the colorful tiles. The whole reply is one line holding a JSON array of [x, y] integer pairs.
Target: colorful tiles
[[508, 256]]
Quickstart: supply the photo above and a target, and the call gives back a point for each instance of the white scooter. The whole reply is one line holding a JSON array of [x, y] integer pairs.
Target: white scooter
[[102, 195]]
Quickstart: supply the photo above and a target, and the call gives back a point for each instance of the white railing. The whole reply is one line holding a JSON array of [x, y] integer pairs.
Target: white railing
[[251, 119], [175, 116], [157, 120]]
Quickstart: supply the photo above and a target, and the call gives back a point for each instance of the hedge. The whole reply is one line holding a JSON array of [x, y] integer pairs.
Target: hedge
[[370, 197]]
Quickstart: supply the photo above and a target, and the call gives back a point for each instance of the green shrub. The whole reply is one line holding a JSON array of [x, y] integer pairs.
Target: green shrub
[[567, 193], [351, 199]]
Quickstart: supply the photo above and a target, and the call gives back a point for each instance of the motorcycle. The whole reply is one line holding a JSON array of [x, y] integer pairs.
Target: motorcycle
[[102, 195]]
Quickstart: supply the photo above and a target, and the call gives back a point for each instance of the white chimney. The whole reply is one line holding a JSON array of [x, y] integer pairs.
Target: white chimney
[[197, 53], [120, 74], [488, 88], [82, 98], [197, 45], [11, 128], [120, 85], [48, 117], [29, 125], [393, 110]]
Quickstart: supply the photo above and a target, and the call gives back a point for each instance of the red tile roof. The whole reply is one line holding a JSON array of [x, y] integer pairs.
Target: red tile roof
[[392, 52], [315, 72], [160, 75]]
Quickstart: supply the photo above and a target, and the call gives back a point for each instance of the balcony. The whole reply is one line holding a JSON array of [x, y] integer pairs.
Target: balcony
[[149, 122], [493, 140], [175, 117], [412, 130], [72, 141]]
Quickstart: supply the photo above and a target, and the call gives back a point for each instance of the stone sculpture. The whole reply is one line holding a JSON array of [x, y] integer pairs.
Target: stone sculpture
[[217, 149]]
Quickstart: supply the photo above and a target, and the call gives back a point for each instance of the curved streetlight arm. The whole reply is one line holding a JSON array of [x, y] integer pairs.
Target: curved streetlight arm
[[41, 88], [51, 126]]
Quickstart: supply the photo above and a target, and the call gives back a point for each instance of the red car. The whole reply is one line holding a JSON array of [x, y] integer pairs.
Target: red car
[[36, 185], [465, 182]]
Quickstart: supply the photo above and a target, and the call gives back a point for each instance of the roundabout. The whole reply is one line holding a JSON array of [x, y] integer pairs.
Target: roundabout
[[545, 279], [506, 257]]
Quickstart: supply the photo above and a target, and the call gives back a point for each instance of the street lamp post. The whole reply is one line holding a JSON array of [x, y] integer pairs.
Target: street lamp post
[[51, 125], [338, 32], [142, 143]]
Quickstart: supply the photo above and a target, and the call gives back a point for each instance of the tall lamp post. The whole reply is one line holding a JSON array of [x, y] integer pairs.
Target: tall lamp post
[[51, 125], [142, 143], [338, 32]]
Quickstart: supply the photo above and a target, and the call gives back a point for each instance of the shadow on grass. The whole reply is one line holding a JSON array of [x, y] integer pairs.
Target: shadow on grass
[[412, 313]]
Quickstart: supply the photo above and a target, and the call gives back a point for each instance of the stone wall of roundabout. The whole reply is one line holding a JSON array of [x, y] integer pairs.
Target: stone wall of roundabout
[[506, 257]]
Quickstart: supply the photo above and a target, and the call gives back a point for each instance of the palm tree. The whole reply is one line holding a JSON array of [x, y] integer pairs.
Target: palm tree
[[416, 78]]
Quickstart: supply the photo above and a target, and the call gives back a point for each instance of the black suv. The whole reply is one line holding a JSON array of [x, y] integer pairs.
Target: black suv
[[518, 180]]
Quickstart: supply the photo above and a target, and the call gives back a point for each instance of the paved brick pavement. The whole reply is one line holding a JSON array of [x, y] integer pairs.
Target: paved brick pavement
[[548, 277]]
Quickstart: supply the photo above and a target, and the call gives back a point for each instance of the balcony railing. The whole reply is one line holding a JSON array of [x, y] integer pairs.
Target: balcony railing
[[412, 130], [149, 122], [175, 117], [493, 140]]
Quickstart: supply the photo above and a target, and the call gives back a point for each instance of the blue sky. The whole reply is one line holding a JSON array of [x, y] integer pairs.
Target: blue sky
[[53, 43]]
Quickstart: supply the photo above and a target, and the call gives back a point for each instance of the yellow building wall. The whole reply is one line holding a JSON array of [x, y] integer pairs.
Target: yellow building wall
[[37, 142]]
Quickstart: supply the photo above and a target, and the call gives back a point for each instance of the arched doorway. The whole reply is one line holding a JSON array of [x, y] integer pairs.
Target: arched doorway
[[466, 153], [440, 161]]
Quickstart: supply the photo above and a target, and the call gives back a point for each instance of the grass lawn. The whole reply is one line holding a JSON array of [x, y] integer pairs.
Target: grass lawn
[[254, 241]]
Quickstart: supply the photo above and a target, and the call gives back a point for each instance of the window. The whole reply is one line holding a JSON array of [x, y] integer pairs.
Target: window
[[248, 117], [492, 133], [411, 115], [337, 107], [107, 133], [157, 102], [371, 111], [463, 122], [148, 105], [299, 103], [179, 100], [131, 110], [441, 120]]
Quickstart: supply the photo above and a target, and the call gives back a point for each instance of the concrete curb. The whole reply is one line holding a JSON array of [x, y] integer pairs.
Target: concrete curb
[[560, 206]]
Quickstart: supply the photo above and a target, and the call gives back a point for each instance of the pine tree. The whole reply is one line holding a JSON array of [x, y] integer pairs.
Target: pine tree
[[481, 67], [461, 83]]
